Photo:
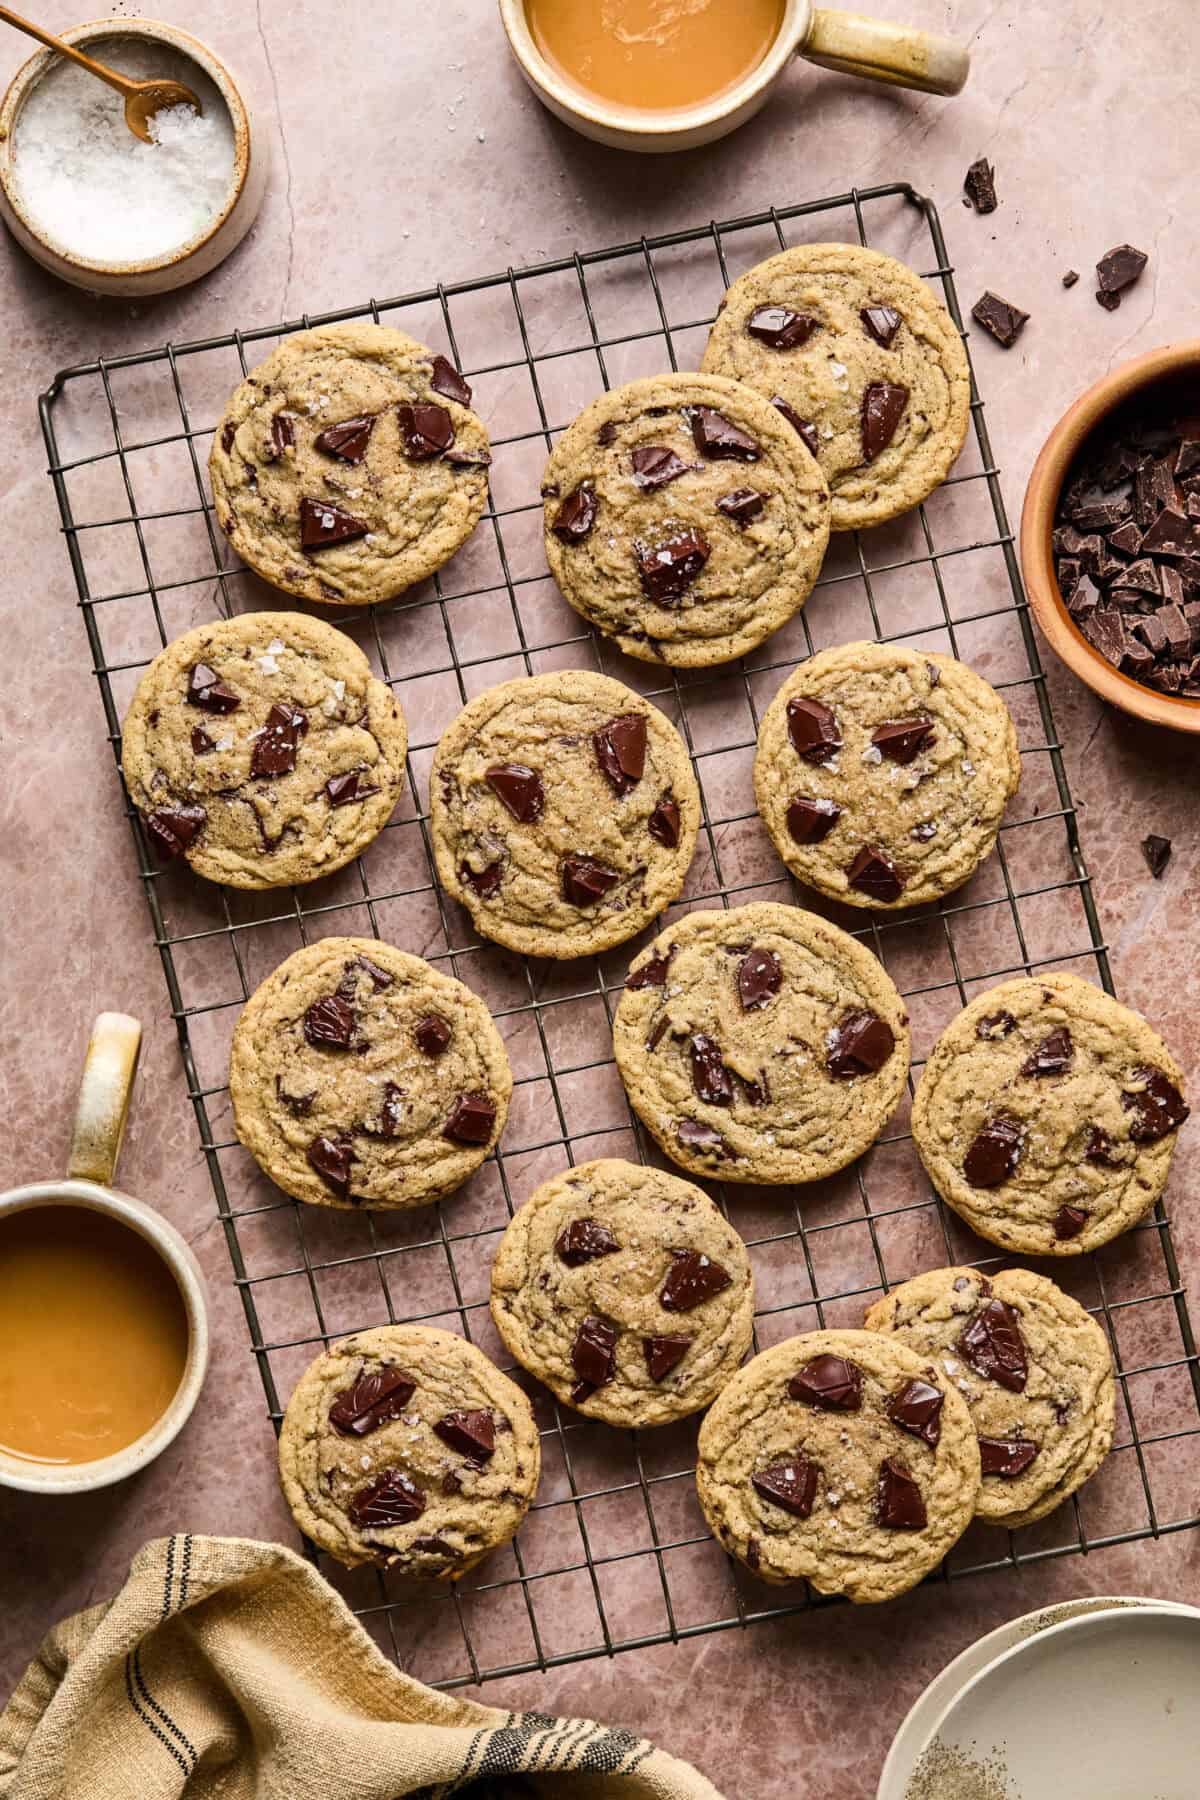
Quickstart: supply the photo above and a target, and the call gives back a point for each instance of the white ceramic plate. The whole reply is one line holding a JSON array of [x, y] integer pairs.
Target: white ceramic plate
[[1105, 1705], [928, 1708]]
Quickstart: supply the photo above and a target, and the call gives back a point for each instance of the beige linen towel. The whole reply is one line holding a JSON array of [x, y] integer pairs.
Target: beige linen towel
[[230, 1668]]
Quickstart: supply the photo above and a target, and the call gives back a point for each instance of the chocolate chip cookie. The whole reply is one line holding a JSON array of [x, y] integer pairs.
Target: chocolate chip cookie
[[863, 360], [882, 774], [684, 518], [1033, 1367], [404, 1446], [360, 1076], [563, 812], [625, 1291], [761, 1044], [1047, 1115], [262, 750], [829, 1462], [349, 465]]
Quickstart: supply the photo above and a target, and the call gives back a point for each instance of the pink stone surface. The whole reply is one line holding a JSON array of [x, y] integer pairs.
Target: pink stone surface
[[408, 150]]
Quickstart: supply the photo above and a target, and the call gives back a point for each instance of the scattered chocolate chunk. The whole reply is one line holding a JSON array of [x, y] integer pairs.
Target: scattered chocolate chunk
[[330, 1024], [379, 978], [710, 1077], [791, 1485], [484, 881], [779, 328], [228, 433], [432, 1034], [873, 872], [1187, 459], [582, 1241], [594, 1353], [585, 881], [719, 439], [692, 1279], [979, 185], [471, 1119], [472, 1433], [1157, 852], [804, 428], [1118, 269], [331, 1158], [999, 318], [742, 505], [276, 745], [1155, 1105], [1006, 1456], [758, 979], [468, 459], [391, 1114], [1069, 1221], [299, 1105], [1070, 278], [917, 1409], [995, 1025], [994, 1153], [898, 1504], [347, 441], [172, 828], [391, 1500], [520, 788], [810, 820], [433, 1546], [323, 524], [621, 750], [651, 974], [882, 323], [1053, 1056], [202, 744], [654, 465], [924, 830], [903, 739], [1100, 1148], [374, 1400], [859, 1044], [206, 689], [343, 790], [445, 380], [577, 514], [694, 1134], [666, 570], [992, 1344], [283, 433], [813, 729], [883, 406], [663, 823], [664, 1354], [607, 433], [831, 1383], [426, 430]]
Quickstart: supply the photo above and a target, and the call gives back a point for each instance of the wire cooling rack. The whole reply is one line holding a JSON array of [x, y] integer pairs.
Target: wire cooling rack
[[615, 1554]]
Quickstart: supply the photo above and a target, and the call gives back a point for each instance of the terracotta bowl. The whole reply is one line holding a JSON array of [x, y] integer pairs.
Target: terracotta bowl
[[1037, 522]]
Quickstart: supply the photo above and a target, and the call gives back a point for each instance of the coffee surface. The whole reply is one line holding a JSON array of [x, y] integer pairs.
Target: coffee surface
[[93, 1335], [654, 54]]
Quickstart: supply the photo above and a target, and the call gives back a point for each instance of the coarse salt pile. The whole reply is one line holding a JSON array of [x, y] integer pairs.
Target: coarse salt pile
[[100, 194]]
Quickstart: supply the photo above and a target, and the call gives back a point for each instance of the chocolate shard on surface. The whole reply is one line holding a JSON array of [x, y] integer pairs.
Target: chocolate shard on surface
[[804, 428], [859, 1044], [759, 977], [874, 872], [344, 790], [664, 822], [331, 1158], [391, 1114], [1069, 1221], [283, 434], [426, 430], [1100, 1148], [694, 1134], [520, 789], [172, 828], [1119, 268], [901, 740], [445, 380], [791, 1485], [276, 745], [654, 465], [582, 1241], [206, 689], [813, 729], [375, 1399], [575, 517], [692, 1279], [390, 1500], [710, 1078], [1070, 277], [471, 1120], [995, 1152], [999, 318], [979, 185], [471, 1433], [1157, 852], [993, 1345], [586, 881], [667, 569], [1053, 1056], [664, 1354], [779, 328], [1006, 1457], [651, 974], [594, 1353], [1171, 533], [882, 323], [810, 820], [322, 525], [330, 1023], [719, 439], [202, 744], [899, 1505], [831, 1383], [917, 1409], [620, 748], [347, 441], [883, 406], [432, 1034], [742, 505], [1155, 1105]]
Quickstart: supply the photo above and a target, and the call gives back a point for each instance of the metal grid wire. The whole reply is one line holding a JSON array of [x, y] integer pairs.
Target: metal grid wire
[[615, 1553]]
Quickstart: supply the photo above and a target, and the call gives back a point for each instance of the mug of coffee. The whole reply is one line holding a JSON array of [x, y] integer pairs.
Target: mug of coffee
[[671, 74], [103, 1309]]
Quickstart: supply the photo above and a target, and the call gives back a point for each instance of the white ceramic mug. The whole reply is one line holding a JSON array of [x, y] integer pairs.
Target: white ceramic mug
[[104, 1091], [844, 41]]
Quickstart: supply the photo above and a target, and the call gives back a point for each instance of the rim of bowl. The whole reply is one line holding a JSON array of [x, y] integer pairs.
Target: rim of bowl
[[37, 66], [1037, 523], [136, 1215], [641, 121]]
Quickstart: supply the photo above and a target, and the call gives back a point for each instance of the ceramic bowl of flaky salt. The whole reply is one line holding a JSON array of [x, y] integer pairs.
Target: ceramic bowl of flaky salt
[[98, 206]]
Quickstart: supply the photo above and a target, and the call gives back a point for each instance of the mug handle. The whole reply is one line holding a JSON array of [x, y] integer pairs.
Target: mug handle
[[100, 1113], [880, 51]]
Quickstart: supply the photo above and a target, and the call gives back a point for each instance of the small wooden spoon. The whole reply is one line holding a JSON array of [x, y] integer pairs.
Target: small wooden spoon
[[142, 98]]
